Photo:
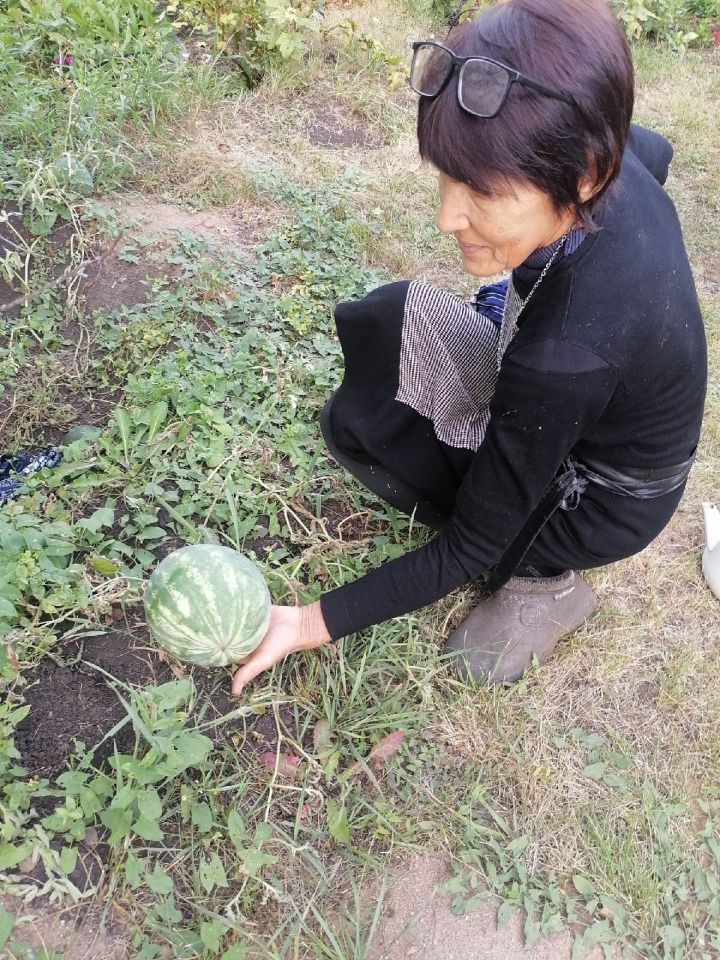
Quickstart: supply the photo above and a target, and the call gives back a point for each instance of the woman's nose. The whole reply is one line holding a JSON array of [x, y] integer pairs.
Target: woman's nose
[[451, 217]]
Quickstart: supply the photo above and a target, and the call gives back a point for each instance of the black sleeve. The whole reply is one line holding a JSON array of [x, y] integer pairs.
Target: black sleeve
[[548, 394], [652, 150]]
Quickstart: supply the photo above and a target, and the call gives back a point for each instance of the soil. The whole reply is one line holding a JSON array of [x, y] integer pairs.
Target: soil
[[114, 283], [71, 933], [70, 701], [417, 923], [330, 126], [231, 226]]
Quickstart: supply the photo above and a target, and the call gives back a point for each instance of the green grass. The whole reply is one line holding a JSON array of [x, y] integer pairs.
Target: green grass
[[581, 795]]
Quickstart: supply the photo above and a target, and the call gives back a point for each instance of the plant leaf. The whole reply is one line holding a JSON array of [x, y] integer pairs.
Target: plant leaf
[[7, 922], [159, 881], [68, 859], [122, 418], [201, 816], [149, 803], [583, 886], [147, 829], [103, 566], [158, 413], [338, 821]]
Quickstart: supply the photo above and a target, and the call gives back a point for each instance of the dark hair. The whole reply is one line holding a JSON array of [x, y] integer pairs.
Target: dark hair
[[573, 46]]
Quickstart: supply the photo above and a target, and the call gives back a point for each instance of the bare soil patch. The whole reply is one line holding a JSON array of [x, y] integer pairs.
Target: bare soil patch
[[113, 284], [329, 125], [417, 923], [74, 934], [233, 226], [70, 700]]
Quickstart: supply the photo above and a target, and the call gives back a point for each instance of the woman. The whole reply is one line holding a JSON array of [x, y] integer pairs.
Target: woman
[[548, 427]]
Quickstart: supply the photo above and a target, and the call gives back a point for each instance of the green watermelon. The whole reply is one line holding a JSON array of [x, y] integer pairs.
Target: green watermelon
[[207, 604]]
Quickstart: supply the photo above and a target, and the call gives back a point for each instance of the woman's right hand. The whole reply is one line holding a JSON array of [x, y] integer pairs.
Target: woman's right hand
[[290, 629]]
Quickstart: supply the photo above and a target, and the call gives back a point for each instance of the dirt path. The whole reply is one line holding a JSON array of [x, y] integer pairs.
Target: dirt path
[[61, 933], [418, 924]]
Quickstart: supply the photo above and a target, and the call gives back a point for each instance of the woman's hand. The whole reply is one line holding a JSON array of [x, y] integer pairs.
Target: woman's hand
[[290, 629]]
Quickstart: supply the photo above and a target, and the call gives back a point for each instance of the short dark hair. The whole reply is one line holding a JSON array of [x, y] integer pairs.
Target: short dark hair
[[574, 46]]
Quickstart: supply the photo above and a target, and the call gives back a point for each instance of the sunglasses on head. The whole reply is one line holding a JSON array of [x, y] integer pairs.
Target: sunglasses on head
[[483, 84]]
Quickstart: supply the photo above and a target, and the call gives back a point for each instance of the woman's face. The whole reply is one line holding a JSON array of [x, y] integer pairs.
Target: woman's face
[[500, 232]]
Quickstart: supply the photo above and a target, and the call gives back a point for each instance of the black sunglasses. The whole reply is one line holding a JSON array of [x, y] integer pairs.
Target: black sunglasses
[[483, 84]]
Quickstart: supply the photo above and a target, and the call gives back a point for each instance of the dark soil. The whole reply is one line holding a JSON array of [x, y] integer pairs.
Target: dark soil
[[70, 701], [73, 702], [343, 527], [330, 126], [115, 283]]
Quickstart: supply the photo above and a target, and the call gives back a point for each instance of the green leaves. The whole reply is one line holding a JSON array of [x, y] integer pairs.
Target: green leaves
[[201, 816], [583, 886], [11, 854], [124, 425], [102, 517], [337, 821], [159, 881], [212, 873], [7, 922]]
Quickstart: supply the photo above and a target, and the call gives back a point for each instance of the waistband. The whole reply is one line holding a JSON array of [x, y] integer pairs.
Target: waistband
[[637, 482]]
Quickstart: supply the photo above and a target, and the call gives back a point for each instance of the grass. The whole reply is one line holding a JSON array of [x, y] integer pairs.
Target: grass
[[585, 794]]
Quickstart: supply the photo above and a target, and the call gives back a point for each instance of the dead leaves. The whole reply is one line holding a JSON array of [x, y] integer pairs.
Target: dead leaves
[[286, 764], [381, 752]]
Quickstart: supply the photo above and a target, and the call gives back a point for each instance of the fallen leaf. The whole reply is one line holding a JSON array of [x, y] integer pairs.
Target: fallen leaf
[[287, 763], [178, 671], [382, 751], [12, 658], [322, 735]]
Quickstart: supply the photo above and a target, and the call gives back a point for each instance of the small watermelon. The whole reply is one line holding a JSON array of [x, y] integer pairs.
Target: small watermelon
[[207, 605]]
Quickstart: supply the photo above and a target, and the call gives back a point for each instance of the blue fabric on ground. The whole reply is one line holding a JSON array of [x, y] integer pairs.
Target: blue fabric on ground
[[22, 465]]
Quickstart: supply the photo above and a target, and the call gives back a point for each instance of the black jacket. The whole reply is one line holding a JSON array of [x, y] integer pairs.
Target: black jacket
[[609, 363]]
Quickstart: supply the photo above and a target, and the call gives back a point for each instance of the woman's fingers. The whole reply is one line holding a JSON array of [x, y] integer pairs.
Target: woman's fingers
[[255, 664], [282, 638]]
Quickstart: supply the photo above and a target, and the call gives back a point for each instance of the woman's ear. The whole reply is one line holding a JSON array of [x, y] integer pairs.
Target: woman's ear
[[588, 187], [590, 183]]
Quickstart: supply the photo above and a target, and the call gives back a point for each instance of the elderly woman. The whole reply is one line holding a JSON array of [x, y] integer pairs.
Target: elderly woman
[[550, 425]]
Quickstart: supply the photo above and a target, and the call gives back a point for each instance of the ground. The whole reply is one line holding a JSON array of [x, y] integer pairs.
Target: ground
[[583, 798]]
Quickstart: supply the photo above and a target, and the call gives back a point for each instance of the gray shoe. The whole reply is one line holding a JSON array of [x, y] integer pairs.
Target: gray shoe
[[496, 642]]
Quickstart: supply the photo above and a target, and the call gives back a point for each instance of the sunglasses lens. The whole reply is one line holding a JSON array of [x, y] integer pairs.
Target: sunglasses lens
[[430, 68], [483, 86]]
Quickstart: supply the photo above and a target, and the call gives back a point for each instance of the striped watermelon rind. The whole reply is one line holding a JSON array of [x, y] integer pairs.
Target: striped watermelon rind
[[207, 605]]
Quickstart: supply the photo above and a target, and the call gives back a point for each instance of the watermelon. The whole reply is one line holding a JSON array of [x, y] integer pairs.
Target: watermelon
[[207, 605]]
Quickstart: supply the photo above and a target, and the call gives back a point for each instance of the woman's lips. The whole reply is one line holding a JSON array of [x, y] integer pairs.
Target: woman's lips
[[471, 248]]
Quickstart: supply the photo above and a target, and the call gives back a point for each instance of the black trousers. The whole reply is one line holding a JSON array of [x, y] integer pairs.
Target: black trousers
[[396, 454]]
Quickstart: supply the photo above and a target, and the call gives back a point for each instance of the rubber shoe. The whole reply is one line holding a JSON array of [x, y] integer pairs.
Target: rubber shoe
[[497, 641]]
